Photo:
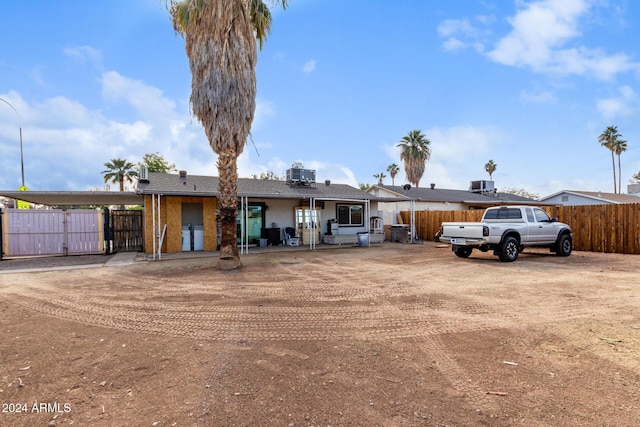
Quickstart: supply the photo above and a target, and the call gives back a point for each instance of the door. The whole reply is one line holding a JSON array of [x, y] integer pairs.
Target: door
[[255, 221], [545, 229]]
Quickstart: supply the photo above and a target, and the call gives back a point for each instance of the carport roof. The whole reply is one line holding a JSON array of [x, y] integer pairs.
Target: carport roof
[[457, 196], [76, 198]]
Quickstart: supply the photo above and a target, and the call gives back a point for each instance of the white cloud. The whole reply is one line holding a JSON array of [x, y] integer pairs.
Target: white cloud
[[544, 97], [456, 31], [540, 32], [264, 111], [452, 44], [450, 27], [621, 106], [309, 66], [455, 143], [66, 142], [544, 37], [85, 54], [148, 101]]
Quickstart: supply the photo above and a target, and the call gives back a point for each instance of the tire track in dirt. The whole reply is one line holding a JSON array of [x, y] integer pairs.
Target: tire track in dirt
[[436, 351]]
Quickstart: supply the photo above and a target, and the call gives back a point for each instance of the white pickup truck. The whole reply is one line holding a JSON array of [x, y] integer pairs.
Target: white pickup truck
[[507, 230]]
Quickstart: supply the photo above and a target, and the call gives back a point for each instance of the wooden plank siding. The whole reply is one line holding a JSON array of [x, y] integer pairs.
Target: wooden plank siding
[[596, 228]]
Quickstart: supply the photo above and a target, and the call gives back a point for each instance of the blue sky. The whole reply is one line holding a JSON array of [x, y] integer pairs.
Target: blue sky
[[528, 84]]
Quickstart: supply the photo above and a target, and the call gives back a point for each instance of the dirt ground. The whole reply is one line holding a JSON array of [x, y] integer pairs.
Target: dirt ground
[[391, 335]]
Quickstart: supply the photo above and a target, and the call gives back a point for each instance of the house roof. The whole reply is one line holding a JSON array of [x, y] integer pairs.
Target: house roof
[[599, 196], [76, 198], [200, 185], [456, 196]]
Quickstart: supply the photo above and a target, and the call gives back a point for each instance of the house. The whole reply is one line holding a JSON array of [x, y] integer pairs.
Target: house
[[180, 212], [394, 199], [580, 198]]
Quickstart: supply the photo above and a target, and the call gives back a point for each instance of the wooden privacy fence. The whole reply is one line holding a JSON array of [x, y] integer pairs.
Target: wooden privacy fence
[[596, 228]]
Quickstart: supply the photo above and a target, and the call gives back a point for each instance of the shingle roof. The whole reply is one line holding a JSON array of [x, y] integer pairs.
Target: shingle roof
[[456, 196], [199, 185], [610, 197]]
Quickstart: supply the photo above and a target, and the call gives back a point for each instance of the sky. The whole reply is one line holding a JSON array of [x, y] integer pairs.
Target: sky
[[528, 84]]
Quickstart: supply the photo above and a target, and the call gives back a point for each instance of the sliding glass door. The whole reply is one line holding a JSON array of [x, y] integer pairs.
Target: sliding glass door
[[255, 221]]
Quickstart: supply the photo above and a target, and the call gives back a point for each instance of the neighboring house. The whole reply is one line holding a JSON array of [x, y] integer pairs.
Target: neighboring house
[[269, 210], [394, 199], [580, 198]]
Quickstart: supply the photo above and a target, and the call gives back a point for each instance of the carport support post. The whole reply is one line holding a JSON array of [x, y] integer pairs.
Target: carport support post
[[413, 220], [1, 243], [159, 226], [153, 224]]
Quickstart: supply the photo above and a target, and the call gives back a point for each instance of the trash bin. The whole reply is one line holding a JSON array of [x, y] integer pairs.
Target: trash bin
[[363, 238], [262, 243]]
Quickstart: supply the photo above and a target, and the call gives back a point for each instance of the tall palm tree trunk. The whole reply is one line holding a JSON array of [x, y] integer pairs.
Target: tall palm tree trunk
[[222, 53], [613, 163], [619, 175], [228, 208]]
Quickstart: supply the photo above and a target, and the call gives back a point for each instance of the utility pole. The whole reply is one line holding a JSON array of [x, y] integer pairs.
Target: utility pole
[[20, 125]]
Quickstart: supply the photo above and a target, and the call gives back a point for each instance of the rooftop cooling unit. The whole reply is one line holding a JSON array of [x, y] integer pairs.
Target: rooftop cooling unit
[[482, 186], [301, 176]]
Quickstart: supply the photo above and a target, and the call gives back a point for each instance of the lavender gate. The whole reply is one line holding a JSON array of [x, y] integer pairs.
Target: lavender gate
[[37, 232]]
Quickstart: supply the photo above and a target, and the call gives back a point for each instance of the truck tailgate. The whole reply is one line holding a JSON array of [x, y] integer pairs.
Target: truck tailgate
[[462, 230]]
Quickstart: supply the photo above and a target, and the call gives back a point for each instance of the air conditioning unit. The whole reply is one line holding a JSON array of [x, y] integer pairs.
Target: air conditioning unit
[[143, 175], [301, 176], [481, 186]]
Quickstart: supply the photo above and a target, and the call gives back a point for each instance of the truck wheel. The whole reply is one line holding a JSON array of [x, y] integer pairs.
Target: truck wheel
[[463, 252], [509, 251], [564, 245]]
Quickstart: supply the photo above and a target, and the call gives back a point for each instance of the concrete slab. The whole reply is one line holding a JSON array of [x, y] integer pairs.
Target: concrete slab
[[122, 258]]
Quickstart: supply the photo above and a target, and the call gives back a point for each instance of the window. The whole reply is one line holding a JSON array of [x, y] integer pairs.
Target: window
[[541, 216], [503, 213], [350, 215], [530, 216]]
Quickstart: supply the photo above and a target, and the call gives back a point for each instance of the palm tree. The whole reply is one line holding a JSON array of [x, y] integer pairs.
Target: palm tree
[[380, 177], [619, 147], [490, 167], [608, 140], [220, 41], [415, 152], [119, 171], [393, 170]]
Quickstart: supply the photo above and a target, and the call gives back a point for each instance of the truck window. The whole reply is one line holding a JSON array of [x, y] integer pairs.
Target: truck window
[[530, 216], [491, 214], [503, 213], [514, 213], [541, 216]]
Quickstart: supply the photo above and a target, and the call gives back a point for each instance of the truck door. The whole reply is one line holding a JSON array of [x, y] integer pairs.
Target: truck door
[[532, 226], [545, 229]]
